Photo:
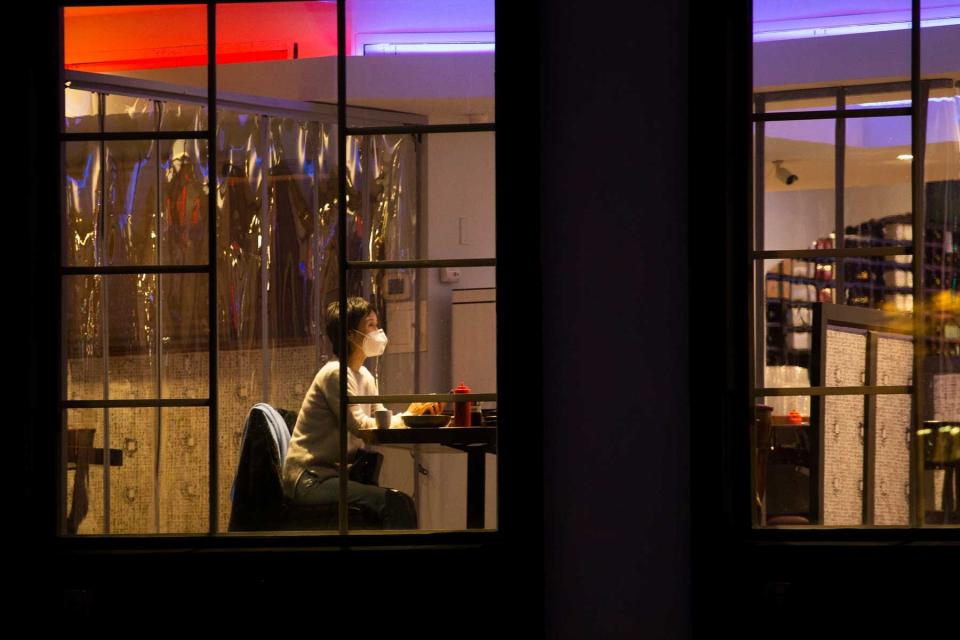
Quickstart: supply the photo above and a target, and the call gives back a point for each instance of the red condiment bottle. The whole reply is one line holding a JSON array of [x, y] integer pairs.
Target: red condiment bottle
[[461, 414]]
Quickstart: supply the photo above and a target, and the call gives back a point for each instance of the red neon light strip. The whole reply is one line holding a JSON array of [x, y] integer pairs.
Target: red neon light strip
[[178, 61]]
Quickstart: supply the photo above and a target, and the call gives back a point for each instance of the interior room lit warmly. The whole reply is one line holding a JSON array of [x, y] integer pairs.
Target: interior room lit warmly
[[140, 316], [856, 363]]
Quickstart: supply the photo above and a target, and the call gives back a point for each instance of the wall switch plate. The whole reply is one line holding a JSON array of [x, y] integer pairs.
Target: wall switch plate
[[450, 274]]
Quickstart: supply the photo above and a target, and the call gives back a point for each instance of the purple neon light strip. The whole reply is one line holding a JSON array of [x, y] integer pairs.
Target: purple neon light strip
[[845, 30], [407, 48]]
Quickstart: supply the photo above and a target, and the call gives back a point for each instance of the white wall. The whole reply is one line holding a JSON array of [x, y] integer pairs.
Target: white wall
[[398, 80], [794, 219], [864, 56], [460, 184]]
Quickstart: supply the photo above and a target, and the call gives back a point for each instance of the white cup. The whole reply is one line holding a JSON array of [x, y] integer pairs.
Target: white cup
[[383, 418]]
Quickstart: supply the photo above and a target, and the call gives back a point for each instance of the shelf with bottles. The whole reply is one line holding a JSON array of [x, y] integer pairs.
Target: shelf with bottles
[[782, 356], [792, 286], [798, 290]]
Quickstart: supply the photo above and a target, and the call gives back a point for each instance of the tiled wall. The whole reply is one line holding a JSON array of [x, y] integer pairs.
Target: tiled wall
[[183, 463]]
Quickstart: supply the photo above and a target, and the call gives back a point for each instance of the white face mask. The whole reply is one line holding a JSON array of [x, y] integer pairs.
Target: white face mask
[[374, 343]]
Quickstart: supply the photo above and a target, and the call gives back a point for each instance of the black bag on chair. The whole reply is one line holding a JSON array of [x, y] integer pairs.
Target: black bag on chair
[[366, 467]]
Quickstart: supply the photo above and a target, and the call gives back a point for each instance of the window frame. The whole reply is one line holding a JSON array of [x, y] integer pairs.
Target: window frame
[[753, 222], [509, 250]]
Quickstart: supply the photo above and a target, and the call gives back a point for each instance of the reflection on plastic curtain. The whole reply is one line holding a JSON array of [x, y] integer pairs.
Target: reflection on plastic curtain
[[292, 153], [239, 228]]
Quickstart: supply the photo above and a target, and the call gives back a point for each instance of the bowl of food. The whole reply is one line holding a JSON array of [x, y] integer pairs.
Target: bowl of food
[[419, 422]]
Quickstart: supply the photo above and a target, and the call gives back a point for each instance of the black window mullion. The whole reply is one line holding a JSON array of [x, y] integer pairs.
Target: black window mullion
[[121, 136], [158, 418], [342, 253], [266, 238], [757, 303], [851, 252], [819, 390], [423, 397], [134, 270], [213, 461], [854, 90], [840, 152], [99, 259], [830, 115], [420, 129], [917, 133], [318, 309], [135, 403], [421, 264]]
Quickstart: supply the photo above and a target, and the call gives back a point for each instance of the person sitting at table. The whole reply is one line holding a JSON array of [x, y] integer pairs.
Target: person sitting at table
[[311, 468]]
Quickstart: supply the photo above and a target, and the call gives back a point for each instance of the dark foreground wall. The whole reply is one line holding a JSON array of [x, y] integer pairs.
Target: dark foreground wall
[[614, 101]]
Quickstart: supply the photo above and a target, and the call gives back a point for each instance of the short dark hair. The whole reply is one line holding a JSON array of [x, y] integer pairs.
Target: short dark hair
[[357, 310]]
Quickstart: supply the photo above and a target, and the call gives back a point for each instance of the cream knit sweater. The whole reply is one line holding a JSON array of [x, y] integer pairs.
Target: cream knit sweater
[[316, 437]]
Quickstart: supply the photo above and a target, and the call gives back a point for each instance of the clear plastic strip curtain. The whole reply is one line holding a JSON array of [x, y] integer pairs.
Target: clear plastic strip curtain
[[146, 336]]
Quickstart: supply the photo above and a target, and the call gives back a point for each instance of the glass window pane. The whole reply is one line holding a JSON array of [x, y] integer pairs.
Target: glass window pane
[[133, 504], [892, 442], [799, 168], [240, 380], [441, 334], [433, 199], [842, 487], [185, 302], [182, 116], [132, 330], [81, 111], [83, 201], [184, 490], [282, 50], [941, 325], [791, 288], [798, 101], [152, 42], [430, 58], [856, 42], [939, 447], [784, 462], [130, 206], [83, 337], [241, 361], [939, 39], [129, 113], [184, 202], [291, 218], [893, 97], [83, 482], [940, 439], [877, 169]]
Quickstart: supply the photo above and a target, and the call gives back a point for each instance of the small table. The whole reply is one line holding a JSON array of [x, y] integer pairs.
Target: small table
[[476, 442]]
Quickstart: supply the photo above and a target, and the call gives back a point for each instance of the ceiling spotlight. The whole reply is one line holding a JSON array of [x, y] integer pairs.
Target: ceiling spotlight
[[783, 174]]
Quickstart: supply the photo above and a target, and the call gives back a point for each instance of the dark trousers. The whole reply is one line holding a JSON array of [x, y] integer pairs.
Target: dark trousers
[[394, 509]]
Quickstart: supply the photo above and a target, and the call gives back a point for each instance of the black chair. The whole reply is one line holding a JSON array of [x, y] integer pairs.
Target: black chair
[[258, 500]]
